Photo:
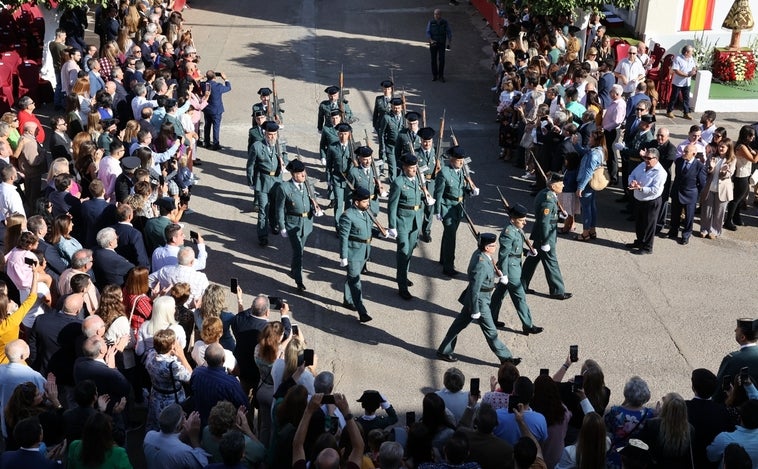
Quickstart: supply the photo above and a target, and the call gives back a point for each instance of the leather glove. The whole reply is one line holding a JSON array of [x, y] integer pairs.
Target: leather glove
[[545, 247], [283, 233], [475, 192], [343, 262], [392, 233]]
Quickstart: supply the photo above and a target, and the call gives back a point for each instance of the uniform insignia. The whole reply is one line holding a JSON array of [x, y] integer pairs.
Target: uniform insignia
[[507, 230], [546, 211]]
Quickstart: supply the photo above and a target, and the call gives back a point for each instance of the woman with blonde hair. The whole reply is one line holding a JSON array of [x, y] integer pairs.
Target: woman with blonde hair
[[270, 347], [214, 304], [11, 118], [718, 190], [94, 128], [130, 134], [288, 370], [163, 317], [669, 435], [62, 166]]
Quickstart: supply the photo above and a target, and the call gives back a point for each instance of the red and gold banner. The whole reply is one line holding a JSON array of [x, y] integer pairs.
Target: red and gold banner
[[697, 15]]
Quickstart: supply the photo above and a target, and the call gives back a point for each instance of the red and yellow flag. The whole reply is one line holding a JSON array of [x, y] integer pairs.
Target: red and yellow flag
[[697, 15]]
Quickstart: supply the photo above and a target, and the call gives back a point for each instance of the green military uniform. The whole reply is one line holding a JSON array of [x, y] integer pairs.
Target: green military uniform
[[354, 231], [746, 356], [338, 160], [326, 107], [449, 192], [389, 130], [405, 139], [545, 233], [328, 138], [476, 299], [381, 106], [509, 262], [405, 214], [264, 173], [295, 209], [256, 134], [365, 178]]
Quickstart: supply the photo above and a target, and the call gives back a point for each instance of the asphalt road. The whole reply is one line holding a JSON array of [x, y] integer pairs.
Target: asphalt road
[[656, 316]]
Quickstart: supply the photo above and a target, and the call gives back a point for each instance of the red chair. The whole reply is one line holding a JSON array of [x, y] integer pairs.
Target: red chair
[[7, 71], [663, 84], [656, 57], [179, 5], [622, 51], [29, 80]]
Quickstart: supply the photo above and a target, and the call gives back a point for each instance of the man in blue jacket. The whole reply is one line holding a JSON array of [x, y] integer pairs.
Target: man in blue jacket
[[215, 107]]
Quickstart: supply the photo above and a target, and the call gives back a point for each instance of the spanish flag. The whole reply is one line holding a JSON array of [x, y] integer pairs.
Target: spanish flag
[[697, 15]]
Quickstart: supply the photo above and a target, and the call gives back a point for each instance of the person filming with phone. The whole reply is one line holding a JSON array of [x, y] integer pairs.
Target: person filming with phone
[[746, 335]]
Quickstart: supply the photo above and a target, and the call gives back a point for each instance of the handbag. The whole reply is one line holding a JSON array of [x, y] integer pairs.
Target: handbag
[[754, 178], [599, 180]]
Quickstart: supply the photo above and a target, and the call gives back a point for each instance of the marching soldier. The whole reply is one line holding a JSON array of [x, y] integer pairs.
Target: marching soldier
[[382, 104], [329, 137], [476, 304], [389, 129], [256, 133], [328, 105], [544, 235], [449, 191], [264, 172], [295, 210], [405, 215], [427, 161], [338, 159], [408, 137], [265, 95], [509, 262], [363, 176], [355, 230]]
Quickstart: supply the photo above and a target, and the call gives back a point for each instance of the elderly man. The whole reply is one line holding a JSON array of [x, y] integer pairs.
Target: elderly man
[[109, 266], [667, 152], [98, 363], [612, 119], [215, 108], [689, 181], [440, 35], [167, 255], [646, 181], [165, 448], [211, 384], [16, 372], [140, 100], [10, 199], [183, 271], [683, 69], [26, 108], [31, 161], [130, 243], [630, 71]]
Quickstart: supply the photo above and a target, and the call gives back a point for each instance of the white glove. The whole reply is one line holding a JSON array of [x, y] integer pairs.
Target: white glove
[[283, 233], [503, 280], [323, 161], [384, 195], [284, 171], [430, 200], [392, 233], [476, 315], [385, 403], [438, 216], [618, 146], [545, 247], [319, 213], [531, 253], [475, 192], [343, 262]]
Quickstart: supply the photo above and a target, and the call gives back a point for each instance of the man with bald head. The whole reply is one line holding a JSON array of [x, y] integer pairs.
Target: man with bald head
[[689, 181], [212, 383], [98, 363], [16, 372]]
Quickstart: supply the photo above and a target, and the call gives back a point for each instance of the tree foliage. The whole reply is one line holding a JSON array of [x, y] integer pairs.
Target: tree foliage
[[556, 7], [51, 4]]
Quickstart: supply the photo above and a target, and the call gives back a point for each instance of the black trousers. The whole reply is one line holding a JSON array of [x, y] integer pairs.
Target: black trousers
[[438, 59], [645, 217], [613, 167], [741, 189]]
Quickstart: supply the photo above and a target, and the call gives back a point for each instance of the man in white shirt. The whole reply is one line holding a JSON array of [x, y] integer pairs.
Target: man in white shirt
[[646, 182], [168, 254], [16, 372], [683, 69], [629, 72], [182, 271], [110, 169], [10, 199]]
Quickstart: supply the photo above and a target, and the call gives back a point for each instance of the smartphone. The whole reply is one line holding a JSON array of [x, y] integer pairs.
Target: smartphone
[[726, 383], [474, 390], [161, 180], [218, 74], [193, 235], [410, 419], [327, 398], [513, 402], [234, 284], [295, 329], [30, 262], [744, 375], [544, 371], [308, 357], [578, 383], [574, 353], [275, 302]]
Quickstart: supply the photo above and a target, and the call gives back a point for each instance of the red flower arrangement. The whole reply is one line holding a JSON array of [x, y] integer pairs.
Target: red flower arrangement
[[734, 65]]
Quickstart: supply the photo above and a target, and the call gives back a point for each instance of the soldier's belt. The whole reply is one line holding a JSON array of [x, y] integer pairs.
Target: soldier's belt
[[298, 214], [410, 207], [359, 240], [428, 176], [271, 173], [450, 197], [514, 255], [486, 290]]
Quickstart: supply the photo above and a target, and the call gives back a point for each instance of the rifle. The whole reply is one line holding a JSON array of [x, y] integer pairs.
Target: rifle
[[438, 150], [560, 207], [279, 146], [341, 97], [374, 169], [429, 199], [423, 114], [275, 107], [466, 169], [475, 232], [508, 207], [317, 211], [405, 107], [378, 225]]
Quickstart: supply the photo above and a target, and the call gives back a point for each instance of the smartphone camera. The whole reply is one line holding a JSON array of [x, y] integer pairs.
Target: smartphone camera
[[308, 357], [578, 383], [574, 353], [474, 389], [234, 285]]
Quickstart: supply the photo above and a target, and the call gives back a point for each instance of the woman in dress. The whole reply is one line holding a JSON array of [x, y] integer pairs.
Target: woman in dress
[[627, 420], [168, 369], [718, 190], [592, 158]]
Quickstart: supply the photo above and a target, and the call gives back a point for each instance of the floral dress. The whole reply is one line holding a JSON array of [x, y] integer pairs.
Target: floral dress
[[623, 424], [166, 374]]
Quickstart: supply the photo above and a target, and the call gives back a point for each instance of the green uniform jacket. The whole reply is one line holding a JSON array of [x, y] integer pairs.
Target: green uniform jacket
[[481, 281], [359, 177], [354, 230], [545, 229], [263, 170], [511, 251], [401, 144], [404, 208], [388, 131], [325, 109], [339, 162], [427, 161], [294, 207], [449, 189], [381, 107], [256, 134], [733, 363], [328, 137]]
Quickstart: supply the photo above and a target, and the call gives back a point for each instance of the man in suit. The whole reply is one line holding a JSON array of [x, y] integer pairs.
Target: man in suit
[[131, 246], [215, 108], [98, 363], [264, 172], [96, 82], [246, 327], [109, 266], [746, 334], [382, 103], [355, 232], [545, 235], [667, 151], [587, 127], [708, 418], [92, 212], [28, 435], [154, 232], [689, 181], [60, 142], [55, 263], [404, 218]]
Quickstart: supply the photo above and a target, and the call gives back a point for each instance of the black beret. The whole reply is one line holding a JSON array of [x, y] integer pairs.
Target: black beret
[[396, 102], [426, 133], [412, 116], [270, 126], [364, 151], [295, 166], [343, 127], [409, 160], [332, 90], [361, 193], [387, 84], [518, 211], [264, 91]]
